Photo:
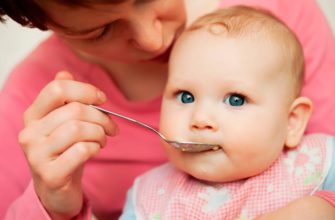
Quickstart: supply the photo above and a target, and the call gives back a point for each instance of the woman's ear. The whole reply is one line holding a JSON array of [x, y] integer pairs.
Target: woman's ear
[[298, 117]]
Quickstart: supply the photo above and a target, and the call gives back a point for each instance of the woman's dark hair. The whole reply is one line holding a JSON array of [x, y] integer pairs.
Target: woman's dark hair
[[25, 12], [28, 13]]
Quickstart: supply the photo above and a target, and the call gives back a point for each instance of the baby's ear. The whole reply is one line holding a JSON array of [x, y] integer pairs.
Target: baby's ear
[[298, 117]]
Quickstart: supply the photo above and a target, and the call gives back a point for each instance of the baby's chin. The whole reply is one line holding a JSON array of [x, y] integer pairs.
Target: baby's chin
[[208, 166], [213, 166]]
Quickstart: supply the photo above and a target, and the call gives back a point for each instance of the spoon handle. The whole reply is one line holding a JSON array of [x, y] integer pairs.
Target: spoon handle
[[129, 119], [183, 146]]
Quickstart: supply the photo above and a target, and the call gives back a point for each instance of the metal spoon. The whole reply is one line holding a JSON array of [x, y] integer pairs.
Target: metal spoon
[[183, 146]]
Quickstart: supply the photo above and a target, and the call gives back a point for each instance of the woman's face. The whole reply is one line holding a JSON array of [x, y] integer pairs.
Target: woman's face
[[134, 31]]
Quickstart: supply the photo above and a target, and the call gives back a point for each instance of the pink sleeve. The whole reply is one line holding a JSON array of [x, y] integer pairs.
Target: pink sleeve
[[18, 199], [327, 195], [28, 206], [308, 22]]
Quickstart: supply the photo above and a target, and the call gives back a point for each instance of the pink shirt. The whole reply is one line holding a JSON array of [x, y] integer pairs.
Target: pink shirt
[[108, 176]]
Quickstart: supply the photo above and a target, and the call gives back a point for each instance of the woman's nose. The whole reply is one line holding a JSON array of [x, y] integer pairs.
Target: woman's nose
[[148, 35]]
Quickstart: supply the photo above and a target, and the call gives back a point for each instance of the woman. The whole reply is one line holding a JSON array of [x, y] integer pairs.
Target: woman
[[116, 52]]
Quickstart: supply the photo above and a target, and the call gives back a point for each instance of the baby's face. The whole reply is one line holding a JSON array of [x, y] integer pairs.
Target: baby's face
[[231, 92]]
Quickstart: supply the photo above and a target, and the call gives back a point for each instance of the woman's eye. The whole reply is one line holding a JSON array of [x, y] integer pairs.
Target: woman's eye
[[185, 97], [104, 31], [143, 1], [235, 100], [101, 34]]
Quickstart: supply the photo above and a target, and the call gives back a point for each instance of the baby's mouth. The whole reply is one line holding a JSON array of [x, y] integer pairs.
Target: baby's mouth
[[201, 147], [215, 148]]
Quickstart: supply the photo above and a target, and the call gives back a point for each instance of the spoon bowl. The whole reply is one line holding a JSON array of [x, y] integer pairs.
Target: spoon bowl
[[193, 147]]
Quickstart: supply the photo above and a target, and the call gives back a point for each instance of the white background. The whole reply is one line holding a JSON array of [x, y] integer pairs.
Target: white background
[[16, 42]]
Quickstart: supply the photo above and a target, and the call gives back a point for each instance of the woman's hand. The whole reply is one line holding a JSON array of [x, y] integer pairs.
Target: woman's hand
[[61, 133]]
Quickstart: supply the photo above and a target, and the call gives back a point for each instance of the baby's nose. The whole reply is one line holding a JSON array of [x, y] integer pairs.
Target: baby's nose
[[202, 120]]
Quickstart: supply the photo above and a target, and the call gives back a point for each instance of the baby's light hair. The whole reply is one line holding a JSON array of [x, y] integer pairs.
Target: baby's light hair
[[244, 21]]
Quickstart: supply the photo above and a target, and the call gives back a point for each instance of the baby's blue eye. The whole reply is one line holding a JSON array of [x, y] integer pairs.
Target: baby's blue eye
[[185, 97], [235, 100]]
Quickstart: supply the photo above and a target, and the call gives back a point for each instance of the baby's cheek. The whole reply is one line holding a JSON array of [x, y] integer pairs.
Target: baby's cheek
[[170, 130], [175, 156]]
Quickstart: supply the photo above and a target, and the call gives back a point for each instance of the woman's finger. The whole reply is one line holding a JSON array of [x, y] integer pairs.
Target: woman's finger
[[59, 92], [75, 156], [76, 111], [69, 134]]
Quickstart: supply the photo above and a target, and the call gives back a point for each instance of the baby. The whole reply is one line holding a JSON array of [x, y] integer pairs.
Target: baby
[[234, 80]]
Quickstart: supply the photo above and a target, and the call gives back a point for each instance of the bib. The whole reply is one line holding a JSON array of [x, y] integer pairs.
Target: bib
[[167, 193]]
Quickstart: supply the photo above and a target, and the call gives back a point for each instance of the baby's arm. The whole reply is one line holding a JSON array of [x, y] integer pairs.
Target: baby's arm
[[308, 207], [327, 195]]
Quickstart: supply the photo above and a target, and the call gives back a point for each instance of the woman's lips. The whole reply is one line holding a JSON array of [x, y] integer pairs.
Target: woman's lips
[[164, 57]]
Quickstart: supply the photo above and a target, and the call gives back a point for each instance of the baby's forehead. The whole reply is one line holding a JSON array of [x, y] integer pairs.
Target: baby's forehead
[[247, 26], [271, 38], [258, 54], [256, 32], [246, 22], [217, 36]]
